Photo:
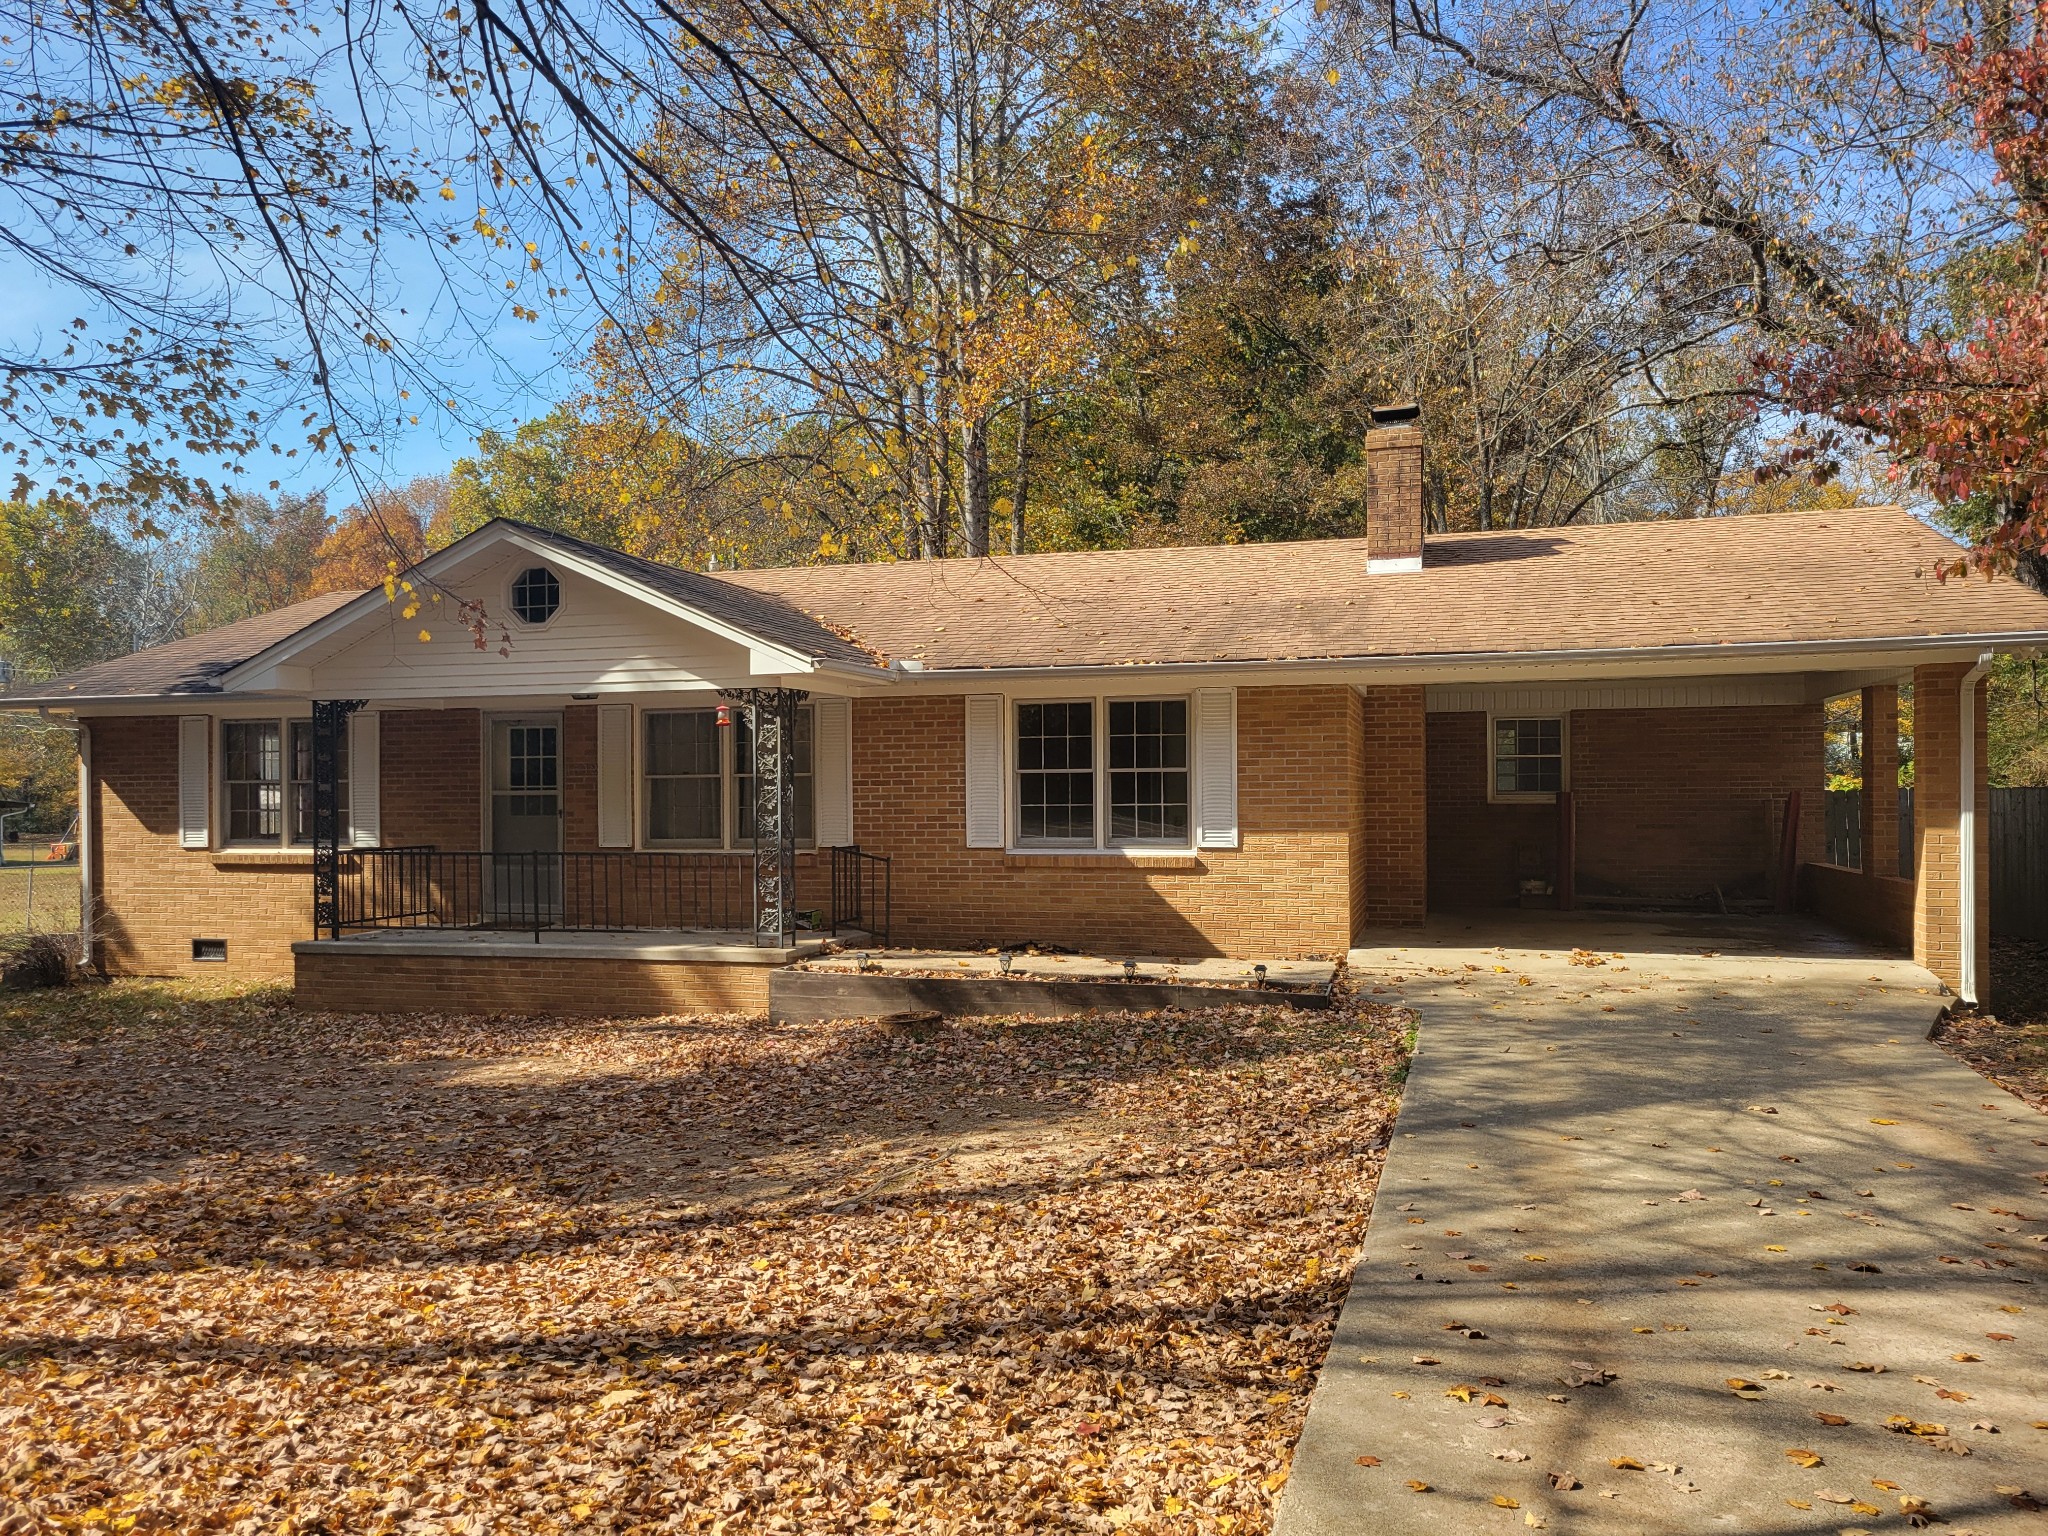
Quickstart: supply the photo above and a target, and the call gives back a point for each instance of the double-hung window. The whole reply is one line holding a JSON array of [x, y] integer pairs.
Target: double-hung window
[[1528, 757], [699, 779], [1102, 773], [266, 771]]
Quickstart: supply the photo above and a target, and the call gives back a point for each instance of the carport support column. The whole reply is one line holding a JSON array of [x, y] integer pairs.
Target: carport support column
[[1880, 829], [1391, 843], [1938, 713]]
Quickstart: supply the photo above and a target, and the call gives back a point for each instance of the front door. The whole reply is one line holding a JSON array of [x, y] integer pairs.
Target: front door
[[526, 821]]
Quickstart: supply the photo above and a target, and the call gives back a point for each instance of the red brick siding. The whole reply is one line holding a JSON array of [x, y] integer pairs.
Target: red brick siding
[[432, 777], [1937, 801], [1287, 888], [1670, 804], [153, 897], [1396, 795]]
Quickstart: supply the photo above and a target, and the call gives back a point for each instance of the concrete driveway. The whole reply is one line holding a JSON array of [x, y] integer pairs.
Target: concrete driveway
[[1693, 1215]]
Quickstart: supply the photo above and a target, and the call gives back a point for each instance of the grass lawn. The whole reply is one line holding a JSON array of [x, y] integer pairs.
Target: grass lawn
[[263, 1271], [56, 896]]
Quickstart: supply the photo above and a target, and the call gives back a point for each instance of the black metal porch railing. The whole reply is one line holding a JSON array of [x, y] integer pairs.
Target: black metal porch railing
[[596, 892], [861, 893]]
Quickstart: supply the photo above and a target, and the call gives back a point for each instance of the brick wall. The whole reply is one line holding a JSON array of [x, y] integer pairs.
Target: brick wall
[[155, 898], [1671, 803], [432, 780], [1937, 805], [355, 983], [1286, 890], [1393, 852]]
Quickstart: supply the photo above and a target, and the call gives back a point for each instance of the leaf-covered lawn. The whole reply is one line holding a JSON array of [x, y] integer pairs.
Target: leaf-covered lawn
[[2008, 1042], [265, 1271]]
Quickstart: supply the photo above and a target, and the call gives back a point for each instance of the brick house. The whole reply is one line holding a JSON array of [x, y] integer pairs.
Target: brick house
[[1256, 750]]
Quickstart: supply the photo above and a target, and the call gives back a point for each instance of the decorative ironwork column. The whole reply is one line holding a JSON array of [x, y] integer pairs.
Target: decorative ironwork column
[[771, 722], [330, 722]]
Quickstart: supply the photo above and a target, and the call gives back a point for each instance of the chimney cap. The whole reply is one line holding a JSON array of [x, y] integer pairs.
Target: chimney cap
[[1394, 415]]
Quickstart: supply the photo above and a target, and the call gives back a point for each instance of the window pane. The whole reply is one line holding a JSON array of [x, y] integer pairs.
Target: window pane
[[1528, 756], [1056, 772], [683, 776], [1148, 781], [252, 768], [302, 783]]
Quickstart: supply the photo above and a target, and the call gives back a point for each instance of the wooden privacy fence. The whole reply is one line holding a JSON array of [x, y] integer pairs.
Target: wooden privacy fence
[[2019, 862]]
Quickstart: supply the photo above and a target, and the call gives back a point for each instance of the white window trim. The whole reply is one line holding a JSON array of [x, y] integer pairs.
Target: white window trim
[[519, 569], [728, 778], [1100, 845], [284, 724], [1564, 766]]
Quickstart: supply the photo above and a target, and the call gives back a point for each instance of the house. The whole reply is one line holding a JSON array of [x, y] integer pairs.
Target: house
[[1256, 750]]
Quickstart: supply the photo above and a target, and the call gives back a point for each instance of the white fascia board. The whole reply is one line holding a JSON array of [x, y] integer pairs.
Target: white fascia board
[[1883, 653]]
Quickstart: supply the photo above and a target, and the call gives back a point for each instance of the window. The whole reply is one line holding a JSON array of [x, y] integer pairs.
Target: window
[[302, 783], [252, 779], [536, 595], [1056, 773], [1528, 757], [694, 769], [266, 771], [1148, 770], [683, 776]]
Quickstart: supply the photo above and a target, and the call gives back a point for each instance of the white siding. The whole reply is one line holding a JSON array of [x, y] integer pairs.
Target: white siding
[[832, 770], [600, 641], [1215, 712], [195, 787], [985, 770]]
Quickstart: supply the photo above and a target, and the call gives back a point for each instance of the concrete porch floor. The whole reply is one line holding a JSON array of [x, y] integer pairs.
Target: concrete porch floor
[[978, 962]]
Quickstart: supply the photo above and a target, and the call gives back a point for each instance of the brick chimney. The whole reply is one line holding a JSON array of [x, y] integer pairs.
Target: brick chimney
[[1393, 490]]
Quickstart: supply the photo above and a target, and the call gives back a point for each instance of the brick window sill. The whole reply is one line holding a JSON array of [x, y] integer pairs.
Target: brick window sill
[[262, 858], [1105, 859]]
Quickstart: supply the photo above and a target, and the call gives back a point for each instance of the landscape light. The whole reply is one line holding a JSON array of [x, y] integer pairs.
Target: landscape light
[[1259, 971], [1003, 962], [1130, 969]]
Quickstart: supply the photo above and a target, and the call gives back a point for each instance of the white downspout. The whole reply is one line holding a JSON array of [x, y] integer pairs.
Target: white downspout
[[1966, 863], [85, 849]]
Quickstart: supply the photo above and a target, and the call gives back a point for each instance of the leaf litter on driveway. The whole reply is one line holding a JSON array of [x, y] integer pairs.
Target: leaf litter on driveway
[[269, 1271]]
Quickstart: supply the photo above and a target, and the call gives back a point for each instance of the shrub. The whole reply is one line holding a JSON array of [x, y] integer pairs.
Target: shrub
[[37, 960]]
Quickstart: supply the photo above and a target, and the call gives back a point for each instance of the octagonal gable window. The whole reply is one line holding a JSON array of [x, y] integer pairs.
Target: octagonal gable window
[[536, 595]]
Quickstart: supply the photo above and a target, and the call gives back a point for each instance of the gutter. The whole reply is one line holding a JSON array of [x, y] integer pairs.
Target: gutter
[[85, 847], [1966, 820], [2007, 640]]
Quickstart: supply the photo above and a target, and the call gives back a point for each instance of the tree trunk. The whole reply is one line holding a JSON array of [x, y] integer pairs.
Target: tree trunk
[[974, 485], [1020, 479]]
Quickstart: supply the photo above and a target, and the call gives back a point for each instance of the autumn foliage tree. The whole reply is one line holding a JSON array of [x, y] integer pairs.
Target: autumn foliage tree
[[1963, 410]]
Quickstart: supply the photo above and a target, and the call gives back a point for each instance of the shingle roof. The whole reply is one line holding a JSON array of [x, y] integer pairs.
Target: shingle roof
[[1862, 574], [182, 666]]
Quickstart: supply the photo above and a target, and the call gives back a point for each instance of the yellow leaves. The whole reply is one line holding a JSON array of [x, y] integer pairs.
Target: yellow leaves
[[1625, 1464], [1906, 1424], [1801, 1457], [619, 1398], [1502, 1501], [1876, 1121], [1774, 1248], [425, 636], [1418, 1486], [1331, 77], [880, 1513]]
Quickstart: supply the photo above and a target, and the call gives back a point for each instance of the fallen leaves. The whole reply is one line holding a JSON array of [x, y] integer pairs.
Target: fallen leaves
[[1803, 1458], [422, 1273]]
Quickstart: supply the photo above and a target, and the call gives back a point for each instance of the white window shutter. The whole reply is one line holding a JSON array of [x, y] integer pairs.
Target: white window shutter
[[195, 787], [832, 770], [984, 770], [615, 776], [1216, 767], [365, 778]]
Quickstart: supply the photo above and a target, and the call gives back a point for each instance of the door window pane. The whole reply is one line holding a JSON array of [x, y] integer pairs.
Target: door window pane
[[682, 769], [252, 771], [528, 769], [1148, 770], [302, 783], [1056, 772], [743, 777]]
